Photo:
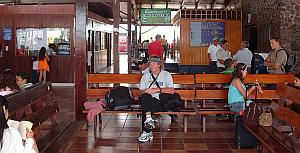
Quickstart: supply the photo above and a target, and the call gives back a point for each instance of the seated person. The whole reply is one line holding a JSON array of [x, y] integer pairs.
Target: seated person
[[23, 80], [237, 89], [150, 95], [8, 82], [229, 64], [143, 66], [11, 141]]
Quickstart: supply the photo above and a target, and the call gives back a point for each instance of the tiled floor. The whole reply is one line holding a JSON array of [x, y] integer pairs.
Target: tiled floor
[[118, 133]]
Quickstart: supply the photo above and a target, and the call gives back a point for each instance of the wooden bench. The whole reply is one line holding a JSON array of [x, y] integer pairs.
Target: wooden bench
[[36, 104], [272, 138], [206, 90], [100, 84]]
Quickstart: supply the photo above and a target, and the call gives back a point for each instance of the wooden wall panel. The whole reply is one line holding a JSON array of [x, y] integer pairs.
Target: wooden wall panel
[[38, 16], [198, 55]]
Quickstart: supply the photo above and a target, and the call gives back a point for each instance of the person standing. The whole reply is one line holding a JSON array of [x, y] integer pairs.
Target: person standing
[[150, 95], [164, 42], [155, 48], [212, 55], [277, 58], [244, 55], [43, 64], [222, 54]]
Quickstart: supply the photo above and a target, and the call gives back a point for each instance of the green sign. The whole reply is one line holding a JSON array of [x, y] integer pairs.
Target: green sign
[[155, 16]]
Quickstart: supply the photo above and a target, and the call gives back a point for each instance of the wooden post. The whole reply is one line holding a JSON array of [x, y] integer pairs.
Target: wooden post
[[80, 55], [129, 35], [116, 16]]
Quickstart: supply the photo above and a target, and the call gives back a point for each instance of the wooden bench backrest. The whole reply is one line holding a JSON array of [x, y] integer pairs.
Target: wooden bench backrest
[[222, 94], [133, 79], [284, 113], [25, 98], [250, 78]]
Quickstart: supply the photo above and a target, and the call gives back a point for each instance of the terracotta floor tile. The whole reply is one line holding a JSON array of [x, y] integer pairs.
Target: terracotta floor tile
[[131, 129], [193, 140], [127, 140], [218, 146], [102, 150], [173, 151], [214, 140], [149, 146], [127, 146], [106, 142], [150, 151], [130, 134], [171, 140], [192, 135], [220, 151], [170, 134], [197, 151], [195, 146], [72, 150], [172, 147]]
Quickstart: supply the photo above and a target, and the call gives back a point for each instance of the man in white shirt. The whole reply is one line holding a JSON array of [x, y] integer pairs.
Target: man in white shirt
[[244, 55], [212, 57], [222, 55], [150, 91]]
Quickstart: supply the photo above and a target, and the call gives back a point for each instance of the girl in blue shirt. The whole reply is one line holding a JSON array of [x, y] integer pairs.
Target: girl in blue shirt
[[237, 89]]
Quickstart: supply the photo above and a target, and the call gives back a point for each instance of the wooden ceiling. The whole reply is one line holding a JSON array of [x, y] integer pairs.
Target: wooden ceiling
[[104, 7]]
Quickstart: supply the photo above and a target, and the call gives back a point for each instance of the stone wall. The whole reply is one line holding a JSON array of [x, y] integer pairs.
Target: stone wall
[[264, 15], [279, 18]]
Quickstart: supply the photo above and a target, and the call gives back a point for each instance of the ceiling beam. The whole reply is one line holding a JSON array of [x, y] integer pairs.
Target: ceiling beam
[[167, 4], [212, 4], [111, 8], [181, 4], [196, 4], [61, 1]]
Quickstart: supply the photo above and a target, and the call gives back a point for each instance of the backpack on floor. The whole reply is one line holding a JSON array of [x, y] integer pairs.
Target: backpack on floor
[[119, 98]]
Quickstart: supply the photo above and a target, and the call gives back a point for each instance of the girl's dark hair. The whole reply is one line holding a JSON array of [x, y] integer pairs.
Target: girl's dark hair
[[9, 79], [3, 122], [42, 53], [237, 73]]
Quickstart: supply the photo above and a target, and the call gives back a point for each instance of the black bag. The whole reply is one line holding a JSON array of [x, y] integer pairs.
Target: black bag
[[243, 138], [171, 102], [119, 98]]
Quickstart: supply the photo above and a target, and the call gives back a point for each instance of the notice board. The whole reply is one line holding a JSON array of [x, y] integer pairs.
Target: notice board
[[202, 33]]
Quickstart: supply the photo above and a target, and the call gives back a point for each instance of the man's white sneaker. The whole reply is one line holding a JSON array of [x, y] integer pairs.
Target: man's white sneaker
[[149, 124], [145, 137]]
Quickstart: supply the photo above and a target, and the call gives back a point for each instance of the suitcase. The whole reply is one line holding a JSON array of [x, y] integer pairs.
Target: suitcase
[[243, 138]]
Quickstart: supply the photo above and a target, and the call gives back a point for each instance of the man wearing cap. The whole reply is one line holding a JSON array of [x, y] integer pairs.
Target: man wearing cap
[[212, 55], [150, 92], [155, 48]]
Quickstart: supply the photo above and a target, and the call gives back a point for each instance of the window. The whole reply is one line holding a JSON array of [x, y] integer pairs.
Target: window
[[30, 40]]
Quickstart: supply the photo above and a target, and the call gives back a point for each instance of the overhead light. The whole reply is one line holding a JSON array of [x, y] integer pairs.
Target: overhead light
[[232, 7]]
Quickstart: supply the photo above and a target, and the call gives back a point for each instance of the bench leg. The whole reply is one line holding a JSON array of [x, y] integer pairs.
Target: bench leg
[[185, 123], [203, 124]]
